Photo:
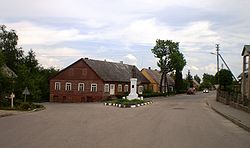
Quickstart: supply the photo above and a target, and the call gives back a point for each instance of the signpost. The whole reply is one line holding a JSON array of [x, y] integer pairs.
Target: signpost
[[12, 96], [26, 92]]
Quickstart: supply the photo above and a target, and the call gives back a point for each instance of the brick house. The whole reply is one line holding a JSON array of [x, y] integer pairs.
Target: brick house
[[89, 80]]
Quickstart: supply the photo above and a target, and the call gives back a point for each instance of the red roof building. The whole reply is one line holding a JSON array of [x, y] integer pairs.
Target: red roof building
[[89, 80]]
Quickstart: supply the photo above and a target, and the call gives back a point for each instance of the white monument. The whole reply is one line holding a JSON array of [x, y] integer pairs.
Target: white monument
[[133, 86]]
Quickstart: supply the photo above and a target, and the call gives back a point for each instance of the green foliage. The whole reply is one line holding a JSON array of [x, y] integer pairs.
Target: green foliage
[[225, 77], [1, 59], [153, 94], [8, 46], [119, 96], [27, 68], [26, 106], [207, 81], [4, 102], [189, 79], [197, 78], [170, 59]]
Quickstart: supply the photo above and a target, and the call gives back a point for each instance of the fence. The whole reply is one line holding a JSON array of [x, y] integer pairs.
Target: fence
[[233, 99]]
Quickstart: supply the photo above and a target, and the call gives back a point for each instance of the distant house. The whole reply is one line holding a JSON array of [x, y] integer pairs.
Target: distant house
[[154, 77], [196, 85], [89, 80], [5, 70]]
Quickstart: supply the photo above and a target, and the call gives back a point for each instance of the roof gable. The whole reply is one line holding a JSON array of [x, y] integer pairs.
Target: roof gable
[[7, 71], [156, 75], [246, 49]]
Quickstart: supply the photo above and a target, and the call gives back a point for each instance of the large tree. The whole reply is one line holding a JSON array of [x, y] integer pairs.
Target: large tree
[[170, 59], [27, 68], [8, 46], [189, 79], [178, 62], [225, 77], [208, 81]]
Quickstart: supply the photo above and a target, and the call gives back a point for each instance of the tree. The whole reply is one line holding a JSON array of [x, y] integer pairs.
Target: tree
[[225, 77], [189, 79], [1, 59], [208, 81], [178, 62], [197, 78], [30, 61], [27, 68], [170, 59], [8, 47]]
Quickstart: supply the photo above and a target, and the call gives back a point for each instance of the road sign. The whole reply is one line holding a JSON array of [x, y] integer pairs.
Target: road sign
[[26, 91]]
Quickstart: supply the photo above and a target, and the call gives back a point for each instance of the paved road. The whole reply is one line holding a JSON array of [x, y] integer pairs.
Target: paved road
[[177, 122]]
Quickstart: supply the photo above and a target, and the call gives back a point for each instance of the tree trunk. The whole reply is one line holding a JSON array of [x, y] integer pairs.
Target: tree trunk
[[166, 82], [162, 76]]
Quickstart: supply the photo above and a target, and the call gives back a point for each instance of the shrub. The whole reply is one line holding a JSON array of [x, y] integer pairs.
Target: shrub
[[25, 106], [4, 102]]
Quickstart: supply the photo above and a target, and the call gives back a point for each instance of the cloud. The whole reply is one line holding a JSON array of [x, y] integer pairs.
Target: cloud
[[58, 57], [130, 59], [48, 25], [33, 34]]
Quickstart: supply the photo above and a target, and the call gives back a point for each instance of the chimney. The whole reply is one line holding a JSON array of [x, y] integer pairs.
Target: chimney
[[121, 62], [149, 68]]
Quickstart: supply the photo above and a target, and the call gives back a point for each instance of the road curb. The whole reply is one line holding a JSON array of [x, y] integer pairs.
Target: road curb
[[6, 114], [235, 121], [128, 106]]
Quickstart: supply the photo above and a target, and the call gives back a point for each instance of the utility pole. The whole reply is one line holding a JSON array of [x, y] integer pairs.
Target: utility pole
[[217, 51]]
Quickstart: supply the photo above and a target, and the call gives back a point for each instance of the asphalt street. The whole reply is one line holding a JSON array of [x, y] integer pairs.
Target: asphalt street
[[182, 121]]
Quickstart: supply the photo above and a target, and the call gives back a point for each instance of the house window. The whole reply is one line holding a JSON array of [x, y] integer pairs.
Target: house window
[[126, 88], [119, 88], [57, 85], [106, 88], [80, 86], [93, 87], [140, 89], [68, 86]]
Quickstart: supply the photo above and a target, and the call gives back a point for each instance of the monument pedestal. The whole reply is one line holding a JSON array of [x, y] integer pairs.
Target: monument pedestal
[[133, 87]]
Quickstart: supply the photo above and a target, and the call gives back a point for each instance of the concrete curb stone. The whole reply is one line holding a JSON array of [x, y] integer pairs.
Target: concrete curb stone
[[125, 106], [235, 121]]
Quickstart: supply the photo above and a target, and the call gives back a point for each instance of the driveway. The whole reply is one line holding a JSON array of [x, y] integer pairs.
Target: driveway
[[182, 121]]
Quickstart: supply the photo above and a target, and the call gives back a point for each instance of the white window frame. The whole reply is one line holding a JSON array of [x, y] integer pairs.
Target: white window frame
[[140, 89], [70, 86], [106, 88], [92, 86], [81, 85], [119, 88], [126, 88], [57, 85]]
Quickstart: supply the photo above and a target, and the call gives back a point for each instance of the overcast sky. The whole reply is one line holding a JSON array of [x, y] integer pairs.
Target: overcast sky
[[62, 31]]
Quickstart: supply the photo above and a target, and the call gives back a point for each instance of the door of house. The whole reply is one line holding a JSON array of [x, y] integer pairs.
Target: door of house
[[112, 89]]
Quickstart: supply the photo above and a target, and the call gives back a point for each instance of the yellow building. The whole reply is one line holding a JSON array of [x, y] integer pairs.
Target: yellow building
[[154, 77]]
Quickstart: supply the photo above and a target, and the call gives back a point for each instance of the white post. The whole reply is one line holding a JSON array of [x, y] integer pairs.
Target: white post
[[12, 96], [133, 87]]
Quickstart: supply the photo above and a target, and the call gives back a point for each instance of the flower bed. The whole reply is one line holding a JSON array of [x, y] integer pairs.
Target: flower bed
[[125, 103]]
